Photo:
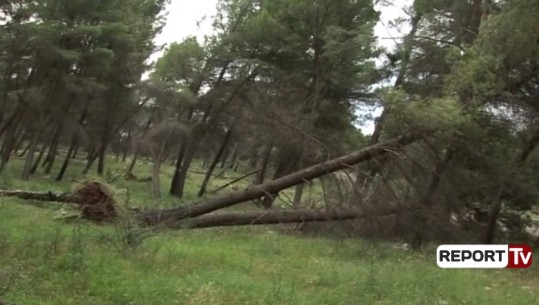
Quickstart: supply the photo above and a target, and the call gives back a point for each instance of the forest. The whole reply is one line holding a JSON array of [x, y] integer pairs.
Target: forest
[[253, 136]]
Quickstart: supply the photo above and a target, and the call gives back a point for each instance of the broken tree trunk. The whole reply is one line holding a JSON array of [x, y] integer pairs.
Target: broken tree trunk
[[170, 216]]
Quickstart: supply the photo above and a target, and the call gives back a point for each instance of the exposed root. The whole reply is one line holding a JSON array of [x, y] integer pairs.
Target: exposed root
[[96, 201]]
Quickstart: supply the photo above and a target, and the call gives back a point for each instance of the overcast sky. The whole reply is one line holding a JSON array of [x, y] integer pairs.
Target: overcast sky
[[188, 17]]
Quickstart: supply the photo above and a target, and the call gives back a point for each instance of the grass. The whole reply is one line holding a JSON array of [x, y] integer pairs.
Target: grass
[[47, 261], [139, 194]]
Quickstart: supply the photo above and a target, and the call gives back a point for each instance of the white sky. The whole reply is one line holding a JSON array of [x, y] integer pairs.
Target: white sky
[[184, 16]]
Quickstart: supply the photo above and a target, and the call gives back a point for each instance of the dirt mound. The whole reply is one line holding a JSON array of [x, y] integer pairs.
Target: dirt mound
[[97, 202]]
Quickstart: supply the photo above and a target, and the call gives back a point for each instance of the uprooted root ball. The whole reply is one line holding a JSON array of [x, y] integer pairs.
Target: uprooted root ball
[[97, 202]]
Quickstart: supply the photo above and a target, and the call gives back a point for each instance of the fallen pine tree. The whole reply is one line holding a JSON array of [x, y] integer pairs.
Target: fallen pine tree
[[171, 216], [98, 205], [39, 196], [222, 219]]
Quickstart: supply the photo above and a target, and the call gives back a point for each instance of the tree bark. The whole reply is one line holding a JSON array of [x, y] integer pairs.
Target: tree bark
[[101, 156], [158, 158], [132, 163], [74, 145], [270, 217], [156, 182], [7, 147], [136, 152], [188, 154], [38, 160], [234, 157], [70, 154], [39, 196], [428, 200], [28, 162], [177, 167], [215, 161], [263, 167], [53, 147], [496, 206], [287, 161], [298, 194]]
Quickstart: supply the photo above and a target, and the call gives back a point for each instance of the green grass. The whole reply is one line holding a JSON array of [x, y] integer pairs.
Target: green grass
[[44, 261], [47, 261]]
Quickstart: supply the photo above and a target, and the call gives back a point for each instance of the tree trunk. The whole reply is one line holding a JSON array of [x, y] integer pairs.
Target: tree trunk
[[288, 158], [51, 156], [132, 164], [174, 189], [158, 158], [18, 140], [29, 160], [215, 161], [180, 176], [257, 191], [496, 206], [38, 160], [298, 194], [226, 155], [135, 154], [198, 132], [125, 148], [265, 161], [74, 145], [272, 217], [362, 179], [70, 154], [9, 122], [102, 155], [234, 157], [422, 221], [224, 218], [92, 156], [156, 183], [7, 147], [24, 151], [53, 147], [39, 196]]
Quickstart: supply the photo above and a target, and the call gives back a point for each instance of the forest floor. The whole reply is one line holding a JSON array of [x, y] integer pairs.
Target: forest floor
[[47, 261]]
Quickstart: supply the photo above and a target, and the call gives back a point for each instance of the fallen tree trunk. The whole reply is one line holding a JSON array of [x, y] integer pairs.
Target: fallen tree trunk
[[93, 198], [171, 216], [39, 196], [98, 205], [269, 217]]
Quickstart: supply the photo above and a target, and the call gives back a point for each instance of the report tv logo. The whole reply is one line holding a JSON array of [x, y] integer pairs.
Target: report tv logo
[[484, 256]]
